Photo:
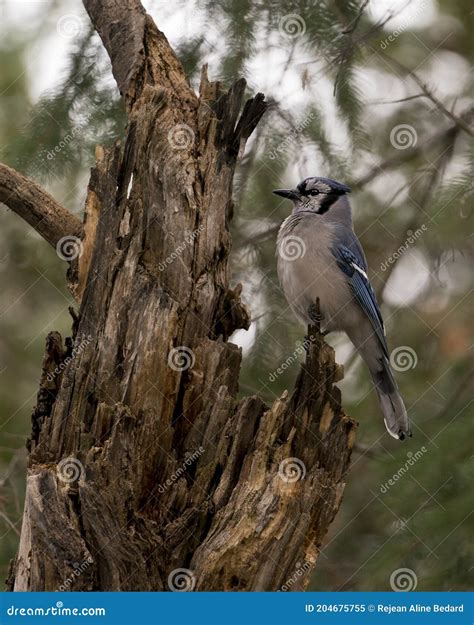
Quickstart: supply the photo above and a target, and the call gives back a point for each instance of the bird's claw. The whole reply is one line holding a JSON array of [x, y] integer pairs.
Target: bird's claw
[[315, 313]]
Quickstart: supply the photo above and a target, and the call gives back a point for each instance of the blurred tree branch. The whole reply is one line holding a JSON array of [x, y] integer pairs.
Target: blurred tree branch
[[405, 156], [458, 120], [421, 193]]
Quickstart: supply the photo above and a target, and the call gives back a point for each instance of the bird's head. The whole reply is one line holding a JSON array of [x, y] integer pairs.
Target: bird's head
[[314, 194]]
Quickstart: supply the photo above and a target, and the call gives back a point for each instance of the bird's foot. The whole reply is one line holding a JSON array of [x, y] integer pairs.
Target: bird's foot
[[315, 313], [316, 316]]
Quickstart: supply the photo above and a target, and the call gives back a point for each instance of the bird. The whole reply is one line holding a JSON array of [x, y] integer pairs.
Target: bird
[[324, 276]]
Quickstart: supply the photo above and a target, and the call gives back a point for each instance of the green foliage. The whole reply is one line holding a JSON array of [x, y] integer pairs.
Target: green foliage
[[62, 129]]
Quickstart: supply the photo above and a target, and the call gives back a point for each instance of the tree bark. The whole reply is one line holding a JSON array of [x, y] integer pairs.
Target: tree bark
[[33, 204], [146, 472]]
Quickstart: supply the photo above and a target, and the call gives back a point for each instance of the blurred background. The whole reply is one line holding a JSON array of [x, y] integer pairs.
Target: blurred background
[[375, 94]]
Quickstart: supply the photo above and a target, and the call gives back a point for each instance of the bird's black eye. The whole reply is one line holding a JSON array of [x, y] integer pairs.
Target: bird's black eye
[[314, 192]]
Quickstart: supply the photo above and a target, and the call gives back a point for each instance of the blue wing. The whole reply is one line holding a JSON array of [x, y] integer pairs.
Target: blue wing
[[353, 264]]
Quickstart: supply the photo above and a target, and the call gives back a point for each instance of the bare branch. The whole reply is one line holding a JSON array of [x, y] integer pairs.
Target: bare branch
[[407, 99], [459, 121], [405, 156], [428, 188], [33, 204]]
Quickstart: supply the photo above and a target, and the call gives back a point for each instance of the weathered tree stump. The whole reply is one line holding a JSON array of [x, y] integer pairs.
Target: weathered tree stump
[[143, 461]]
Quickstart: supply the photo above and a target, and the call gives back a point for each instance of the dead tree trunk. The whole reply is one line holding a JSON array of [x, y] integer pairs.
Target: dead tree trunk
[[145, 471]]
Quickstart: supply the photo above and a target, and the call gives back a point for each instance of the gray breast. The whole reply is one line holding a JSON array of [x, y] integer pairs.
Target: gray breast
[[307, 269]]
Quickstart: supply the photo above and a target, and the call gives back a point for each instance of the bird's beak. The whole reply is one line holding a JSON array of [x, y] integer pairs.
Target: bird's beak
[[290, 194]]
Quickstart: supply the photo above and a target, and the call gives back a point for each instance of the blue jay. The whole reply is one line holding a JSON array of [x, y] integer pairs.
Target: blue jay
[[321, 260]]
